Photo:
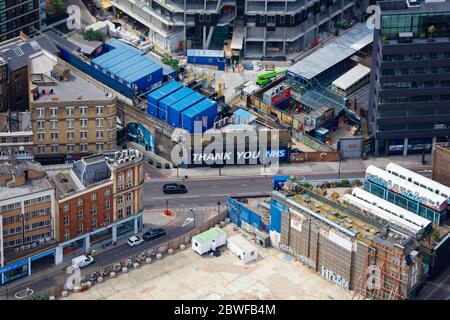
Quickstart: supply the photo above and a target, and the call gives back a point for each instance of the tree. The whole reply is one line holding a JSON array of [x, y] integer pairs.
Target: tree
[[436, 235], [92, 35], [59, 6], [171, 62]]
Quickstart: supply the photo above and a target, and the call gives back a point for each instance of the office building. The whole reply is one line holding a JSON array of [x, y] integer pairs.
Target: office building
[[270, 29], [441, 163], [72, 114], [409, 100]]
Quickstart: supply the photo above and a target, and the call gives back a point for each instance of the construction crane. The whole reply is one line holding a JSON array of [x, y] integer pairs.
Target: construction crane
[[266, 78]]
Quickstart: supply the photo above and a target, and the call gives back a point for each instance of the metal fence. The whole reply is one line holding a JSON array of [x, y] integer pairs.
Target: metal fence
[[174, 244]]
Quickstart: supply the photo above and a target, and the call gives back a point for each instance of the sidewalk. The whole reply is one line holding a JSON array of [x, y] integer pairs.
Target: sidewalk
[[413, 162]]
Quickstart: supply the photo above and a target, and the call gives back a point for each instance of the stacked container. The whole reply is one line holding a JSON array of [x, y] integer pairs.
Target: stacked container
[[205, 111], [154, 97], [165, 103], [175, 110]]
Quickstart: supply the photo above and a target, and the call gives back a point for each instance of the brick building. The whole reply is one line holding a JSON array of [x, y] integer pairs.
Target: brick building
[[99, 200], [441, 163]]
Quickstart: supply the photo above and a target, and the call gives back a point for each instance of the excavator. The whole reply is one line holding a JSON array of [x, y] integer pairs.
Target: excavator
[[266, 78]]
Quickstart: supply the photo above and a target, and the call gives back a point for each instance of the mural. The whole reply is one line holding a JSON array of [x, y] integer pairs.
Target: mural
[[140, 134]]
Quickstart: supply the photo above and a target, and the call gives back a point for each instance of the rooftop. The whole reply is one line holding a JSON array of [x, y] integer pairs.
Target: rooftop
[[19, 170], [418, 6], [74, 87], [86, 46], [209, 235], [351, 77], [336, 51]]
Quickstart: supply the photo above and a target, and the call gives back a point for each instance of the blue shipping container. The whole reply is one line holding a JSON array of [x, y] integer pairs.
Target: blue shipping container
[[171, 99], [205, 111], [207, 57], [156, 95], [175, 110]]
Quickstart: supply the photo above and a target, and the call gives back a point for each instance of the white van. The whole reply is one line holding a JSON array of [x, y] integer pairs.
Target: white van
[[82, 261]]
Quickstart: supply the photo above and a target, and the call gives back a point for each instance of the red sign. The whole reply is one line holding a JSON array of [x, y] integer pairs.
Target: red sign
[[280, 97]]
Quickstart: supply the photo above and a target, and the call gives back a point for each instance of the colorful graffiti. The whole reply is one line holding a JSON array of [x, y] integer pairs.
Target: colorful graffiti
[[140, 134]]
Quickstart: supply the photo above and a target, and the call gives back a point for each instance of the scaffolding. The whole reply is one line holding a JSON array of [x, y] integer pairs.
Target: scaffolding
[[392, 277]]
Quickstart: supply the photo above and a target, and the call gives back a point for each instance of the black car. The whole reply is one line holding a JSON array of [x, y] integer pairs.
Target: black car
[[153, 234], [174, 188]]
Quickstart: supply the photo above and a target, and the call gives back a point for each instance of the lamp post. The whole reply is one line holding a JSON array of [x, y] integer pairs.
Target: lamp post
[[339, 169], [218, 207]]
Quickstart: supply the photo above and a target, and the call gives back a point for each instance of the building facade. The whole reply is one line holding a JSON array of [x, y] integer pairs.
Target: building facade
[[72, 114], [20, 16], [99, 200], [441, 163], [259, 28], [16, 136], [27, 212], [409, 101]]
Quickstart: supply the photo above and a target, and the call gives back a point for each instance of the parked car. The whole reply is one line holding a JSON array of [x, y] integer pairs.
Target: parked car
[[82, 261], [135, 241], [174, 188], [154, 233]]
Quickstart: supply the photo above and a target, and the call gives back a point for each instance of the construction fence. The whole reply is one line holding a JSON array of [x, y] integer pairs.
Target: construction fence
[[163, 249]]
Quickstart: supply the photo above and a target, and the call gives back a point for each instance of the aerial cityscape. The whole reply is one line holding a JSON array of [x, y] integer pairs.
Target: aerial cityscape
[[225, 150]]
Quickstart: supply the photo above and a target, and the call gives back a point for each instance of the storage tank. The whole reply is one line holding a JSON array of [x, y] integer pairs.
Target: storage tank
[[175, 110], [156, 95], [205, 111], [171, 99]]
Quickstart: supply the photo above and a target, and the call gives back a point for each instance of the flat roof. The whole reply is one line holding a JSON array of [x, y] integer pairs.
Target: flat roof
[[351, 77], [336, 51], [72, 89], [86, 46], [209, 235], [205, 53]]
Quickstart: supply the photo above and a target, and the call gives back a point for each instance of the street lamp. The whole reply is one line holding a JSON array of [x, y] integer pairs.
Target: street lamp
[[218, 207], [339, 169], [193, 214]]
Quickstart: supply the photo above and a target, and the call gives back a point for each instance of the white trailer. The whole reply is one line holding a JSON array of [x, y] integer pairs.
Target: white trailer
[[243, 249], [209, 240]]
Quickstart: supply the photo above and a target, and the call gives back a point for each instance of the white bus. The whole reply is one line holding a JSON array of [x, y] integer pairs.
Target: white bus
[[419, 180], [388, 211]]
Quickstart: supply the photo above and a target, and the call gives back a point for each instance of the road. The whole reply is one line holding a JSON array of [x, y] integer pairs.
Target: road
[[437, 289]]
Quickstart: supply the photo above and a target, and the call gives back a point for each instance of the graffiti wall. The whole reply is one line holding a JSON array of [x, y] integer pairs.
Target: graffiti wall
[[137, 132]]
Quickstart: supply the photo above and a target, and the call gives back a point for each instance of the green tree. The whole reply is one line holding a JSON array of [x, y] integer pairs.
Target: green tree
[[59, 6], [436, 235], [92, 35]]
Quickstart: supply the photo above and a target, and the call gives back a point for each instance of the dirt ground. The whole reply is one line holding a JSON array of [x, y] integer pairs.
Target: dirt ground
[[186, 275]]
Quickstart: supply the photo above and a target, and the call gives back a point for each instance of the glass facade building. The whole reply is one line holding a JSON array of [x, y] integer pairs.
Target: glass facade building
[[409, 99]]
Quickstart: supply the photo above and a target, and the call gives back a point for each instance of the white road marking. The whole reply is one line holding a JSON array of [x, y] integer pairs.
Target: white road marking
[[218, 195], [189, 196], [243, 185], [161, 198], [214, 187], [443, 282], [187, 221]]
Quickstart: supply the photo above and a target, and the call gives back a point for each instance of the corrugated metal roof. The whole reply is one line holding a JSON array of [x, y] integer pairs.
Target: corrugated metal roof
[[176, 96], [163, 90], [189, 100], [351, 77], [209, 235], [199, 107], [145, 71], [336, 51]]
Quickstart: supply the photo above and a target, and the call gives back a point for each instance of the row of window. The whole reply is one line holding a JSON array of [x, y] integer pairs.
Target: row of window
[[54, 135], [83, 147], [11, 206], [129, 180], [15, 139], [414, 71], [107, 205], [70, 123], [70, 111], [18, 242], [417, 56], [412, 99], [37, 200], [415, 85]]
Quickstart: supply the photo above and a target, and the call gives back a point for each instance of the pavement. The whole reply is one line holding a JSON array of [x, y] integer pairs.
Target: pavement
[[187, 275]]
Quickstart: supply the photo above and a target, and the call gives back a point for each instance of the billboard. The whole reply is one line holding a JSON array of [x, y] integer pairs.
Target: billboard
[[139, 133], [351, 147]]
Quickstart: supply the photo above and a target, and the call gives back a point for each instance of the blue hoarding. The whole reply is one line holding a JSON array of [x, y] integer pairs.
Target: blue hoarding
[[139, 133]]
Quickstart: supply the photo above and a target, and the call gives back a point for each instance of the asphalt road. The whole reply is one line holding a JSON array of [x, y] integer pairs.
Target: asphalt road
[[437, 289]]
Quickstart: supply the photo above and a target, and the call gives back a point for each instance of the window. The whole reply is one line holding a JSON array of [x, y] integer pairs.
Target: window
[[53, 112], [99, 110], [40, 112], [99, 122], [201, 17], [107, 218], [55, 148], [262, 19], [66, 207], [129, 197], [94, 196], [83, 111], [80, 215], [41, 136], [128, 211], [100, 146], [54, 135], [41, 149], [94, 224], [80, 228], [83, 123], [70, 148], [70, 123], [41, 124], [80, 202], [83, 135], [120, 214], [120, 199], [83, 147], [107, 192], [129, 178], [282, 19], [120, 182], [94, 210], [70, 135], [107, 205], [69, 111], [292, 19], [66, 221], [54, 124], [99, 134], [66, 234]]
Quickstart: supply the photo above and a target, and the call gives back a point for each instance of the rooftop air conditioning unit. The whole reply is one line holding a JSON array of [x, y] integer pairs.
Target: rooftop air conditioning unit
[[120, 161]]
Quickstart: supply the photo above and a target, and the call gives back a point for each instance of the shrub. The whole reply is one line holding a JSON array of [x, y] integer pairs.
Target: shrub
[[91, 35]]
